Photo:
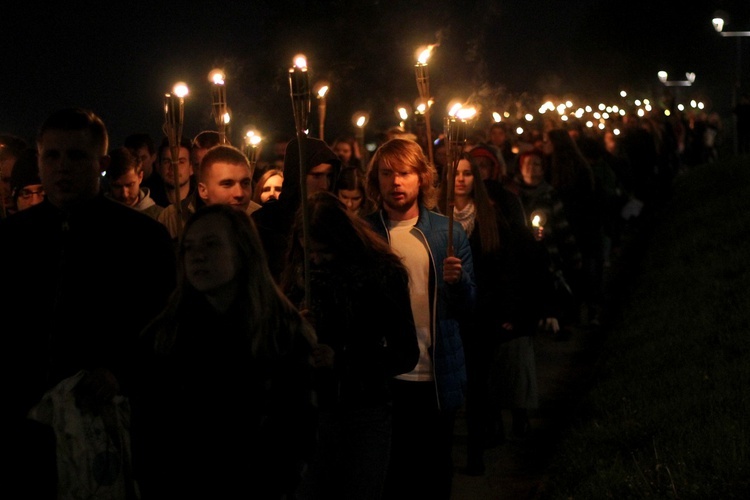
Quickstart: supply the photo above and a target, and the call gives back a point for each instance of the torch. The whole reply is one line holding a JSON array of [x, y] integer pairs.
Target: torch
[[321, 91], [455, 126], [174, 117], [299, 86], [252, 143], [219, 107], [402, 112], [360, 119], [423, 85]]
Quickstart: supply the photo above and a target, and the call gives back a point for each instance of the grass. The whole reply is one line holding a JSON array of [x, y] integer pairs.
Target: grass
[[668, 415]]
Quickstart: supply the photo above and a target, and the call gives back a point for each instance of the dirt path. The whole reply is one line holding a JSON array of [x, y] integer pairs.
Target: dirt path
[[515, 470]]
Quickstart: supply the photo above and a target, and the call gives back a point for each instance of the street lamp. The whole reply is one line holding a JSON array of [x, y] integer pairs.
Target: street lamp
[[663, 78], [719, 20]]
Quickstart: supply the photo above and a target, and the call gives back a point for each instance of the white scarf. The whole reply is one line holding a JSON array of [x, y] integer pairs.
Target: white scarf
[[466, 216]]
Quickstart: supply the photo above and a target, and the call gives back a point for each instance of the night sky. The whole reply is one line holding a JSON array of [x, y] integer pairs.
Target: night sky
[[120, 61]]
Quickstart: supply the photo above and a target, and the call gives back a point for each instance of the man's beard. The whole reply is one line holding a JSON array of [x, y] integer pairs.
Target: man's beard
[[402, 206]]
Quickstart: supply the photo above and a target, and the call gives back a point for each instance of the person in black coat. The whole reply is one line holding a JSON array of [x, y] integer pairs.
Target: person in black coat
[[86, 274]]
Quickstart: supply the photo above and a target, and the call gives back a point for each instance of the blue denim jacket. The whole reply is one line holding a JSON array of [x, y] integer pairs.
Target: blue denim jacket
[[449, 303]]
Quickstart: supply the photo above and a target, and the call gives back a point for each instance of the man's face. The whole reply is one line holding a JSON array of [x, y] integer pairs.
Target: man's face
[[69, 166], [399, 188], [227, 184], [127, 188], [497, 136], [30, 195], [197, 155], [319, 178], [184, 170], [147, 160]]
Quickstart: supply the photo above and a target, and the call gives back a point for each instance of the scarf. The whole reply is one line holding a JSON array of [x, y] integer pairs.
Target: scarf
[[466, 217]]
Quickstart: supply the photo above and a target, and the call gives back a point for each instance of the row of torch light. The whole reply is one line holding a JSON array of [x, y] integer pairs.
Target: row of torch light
[[455, 127]]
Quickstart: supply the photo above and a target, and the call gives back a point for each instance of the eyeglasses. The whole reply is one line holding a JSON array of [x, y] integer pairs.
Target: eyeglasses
[[28, 193]]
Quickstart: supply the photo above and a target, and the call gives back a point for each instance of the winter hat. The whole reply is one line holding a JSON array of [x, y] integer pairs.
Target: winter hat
[[25, 172], [480, 152], [316, 152]]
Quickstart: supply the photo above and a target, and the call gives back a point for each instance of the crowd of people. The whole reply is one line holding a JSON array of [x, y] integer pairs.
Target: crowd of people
[[234, 339]]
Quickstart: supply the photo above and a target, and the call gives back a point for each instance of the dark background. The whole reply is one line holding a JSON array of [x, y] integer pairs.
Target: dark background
[[120, 58]]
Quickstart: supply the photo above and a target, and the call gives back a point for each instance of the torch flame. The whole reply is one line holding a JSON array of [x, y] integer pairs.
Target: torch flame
[[425, 54], [300, 61], [180, 89], [535, 221], [322, 91], [466, 113], [216, 76], [454, 109], [252, 138]]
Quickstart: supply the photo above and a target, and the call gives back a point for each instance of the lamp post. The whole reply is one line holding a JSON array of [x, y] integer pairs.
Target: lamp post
[[321, 92], [174, 118], [664, 79], [219, 105], [718, 23], [360, 119]]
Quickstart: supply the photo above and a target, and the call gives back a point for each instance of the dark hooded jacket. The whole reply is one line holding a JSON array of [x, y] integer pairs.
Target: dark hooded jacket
[[275, 219]]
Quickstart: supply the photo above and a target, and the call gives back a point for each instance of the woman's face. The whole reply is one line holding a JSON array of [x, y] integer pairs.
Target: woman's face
[[352, 198], [344, 151], [211, 258], [271, 189], [463, 179], [532, 170]]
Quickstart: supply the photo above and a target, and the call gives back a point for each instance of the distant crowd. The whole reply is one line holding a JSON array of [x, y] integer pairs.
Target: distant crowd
[[180, 322]]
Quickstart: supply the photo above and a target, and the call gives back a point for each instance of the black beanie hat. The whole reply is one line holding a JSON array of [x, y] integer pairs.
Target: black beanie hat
[[316, 152], [25, 172]]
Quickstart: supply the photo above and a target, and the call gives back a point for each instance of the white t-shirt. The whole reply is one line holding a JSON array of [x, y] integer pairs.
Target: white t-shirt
[[409, 244]]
